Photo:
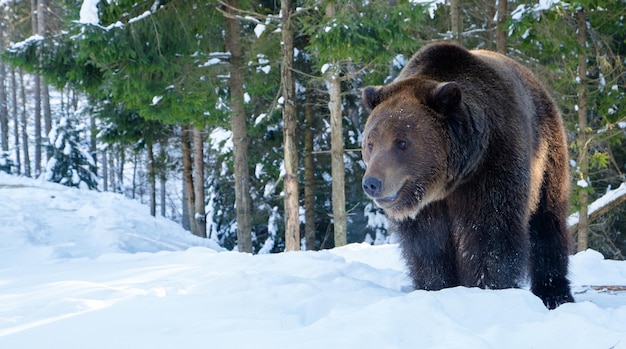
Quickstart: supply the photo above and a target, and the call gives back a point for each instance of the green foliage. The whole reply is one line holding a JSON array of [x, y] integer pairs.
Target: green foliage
[[366, 33], [599, 160]]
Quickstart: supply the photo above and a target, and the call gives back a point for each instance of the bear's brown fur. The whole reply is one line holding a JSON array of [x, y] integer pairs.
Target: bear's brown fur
[[467, 155]]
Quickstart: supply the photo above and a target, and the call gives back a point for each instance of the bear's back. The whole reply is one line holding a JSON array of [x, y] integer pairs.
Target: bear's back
[[490, 80]]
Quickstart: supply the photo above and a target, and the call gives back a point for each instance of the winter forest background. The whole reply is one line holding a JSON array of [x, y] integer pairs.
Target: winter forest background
[[241, 119]]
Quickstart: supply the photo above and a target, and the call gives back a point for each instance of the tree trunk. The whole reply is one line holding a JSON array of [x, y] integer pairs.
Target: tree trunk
[[119, 177], [500, 27], [337, 171], [240, 134], [47, 115], [583, 160], [198, 162], [93, 150], [151, 179], [16, 121], [292, 214], [37, 92], [134, 181], [162, 176], [185, 216], [112, 181], [45, 94], [309, 176], [4, 111], [27, 169], [38, 139], [105, 171], [455, 21], [336, 149], [188, 178]]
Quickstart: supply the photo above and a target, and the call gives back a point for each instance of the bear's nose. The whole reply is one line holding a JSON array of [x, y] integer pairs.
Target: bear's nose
[[372, 186]]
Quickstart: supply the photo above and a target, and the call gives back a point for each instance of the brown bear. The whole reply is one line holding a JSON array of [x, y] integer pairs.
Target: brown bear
[[466, 153]]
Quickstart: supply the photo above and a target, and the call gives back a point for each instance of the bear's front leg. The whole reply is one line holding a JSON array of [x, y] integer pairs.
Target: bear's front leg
[[427, 248], [492, 245]]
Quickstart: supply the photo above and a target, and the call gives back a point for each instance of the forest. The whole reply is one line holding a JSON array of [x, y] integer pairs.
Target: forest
[[242, 119]]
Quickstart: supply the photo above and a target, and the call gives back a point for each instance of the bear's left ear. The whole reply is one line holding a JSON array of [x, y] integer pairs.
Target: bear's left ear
[[372, 96], [444, 97]]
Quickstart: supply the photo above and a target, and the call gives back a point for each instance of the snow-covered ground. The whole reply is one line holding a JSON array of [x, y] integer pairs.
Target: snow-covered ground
[[81, 269]]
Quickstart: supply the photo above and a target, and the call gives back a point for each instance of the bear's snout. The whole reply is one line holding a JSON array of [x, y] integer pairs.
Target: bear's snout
[[372, 186]]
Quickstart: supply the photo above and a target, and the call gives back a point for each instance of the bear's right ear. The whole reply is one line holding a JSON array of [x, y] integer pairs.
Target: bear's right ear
[[444, 97], [372, 96]]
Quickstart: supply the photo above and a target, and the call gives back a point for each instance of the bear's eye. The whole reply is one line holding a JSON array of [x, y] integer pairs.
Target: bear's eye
[[401, 144], [370, 146]]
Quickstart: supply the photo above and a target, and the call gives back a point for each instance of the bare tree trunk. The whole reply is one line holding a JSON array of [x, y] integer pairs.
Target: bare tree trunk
[[4, 111], [16, 121], [198, 159], [188, 178], [38, 139], [92, 145], [45, 94], [134, 181], [240, 134], [119, 177], [583, 160], [338, 170], [105, 171], [37, 92], [336, 149], [185, 214], [500, 28], [162, 176], [24, 124], [292, 212], [151, 179], [112, 180], [47, 114], [309, 176], [455, 21]]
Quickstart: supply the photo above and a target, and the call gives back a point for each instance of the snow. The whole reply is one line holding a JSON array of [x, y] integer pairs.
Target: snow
[[89, 12], [140, 17], [259, 119], [87, 269], [221, 140], [259, 29], [156, 100], [210, 62], [541, 5]]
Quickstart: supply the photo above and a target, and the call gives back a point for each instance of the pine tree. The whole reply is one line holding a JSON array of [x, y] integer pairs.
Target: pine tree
[[71, 163]]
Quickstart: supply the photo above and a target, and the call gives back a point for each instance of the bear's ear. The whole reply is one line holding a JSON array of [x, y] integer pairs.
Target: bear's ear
[[444, 97], [372, 96]]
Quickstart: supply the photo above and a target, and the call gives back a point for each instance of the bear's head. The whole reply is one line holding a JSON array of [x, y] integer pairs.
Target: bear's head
[[406, 144]]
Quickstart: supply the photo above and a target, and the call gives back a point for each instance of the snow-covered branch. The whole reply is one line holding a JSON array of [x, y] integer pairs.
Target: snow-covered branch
[[601, 206]]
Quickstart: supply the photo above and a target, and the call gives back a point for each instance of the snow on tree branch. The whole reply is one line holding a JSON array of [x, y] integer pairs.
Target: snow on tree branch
[[601, 206]]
